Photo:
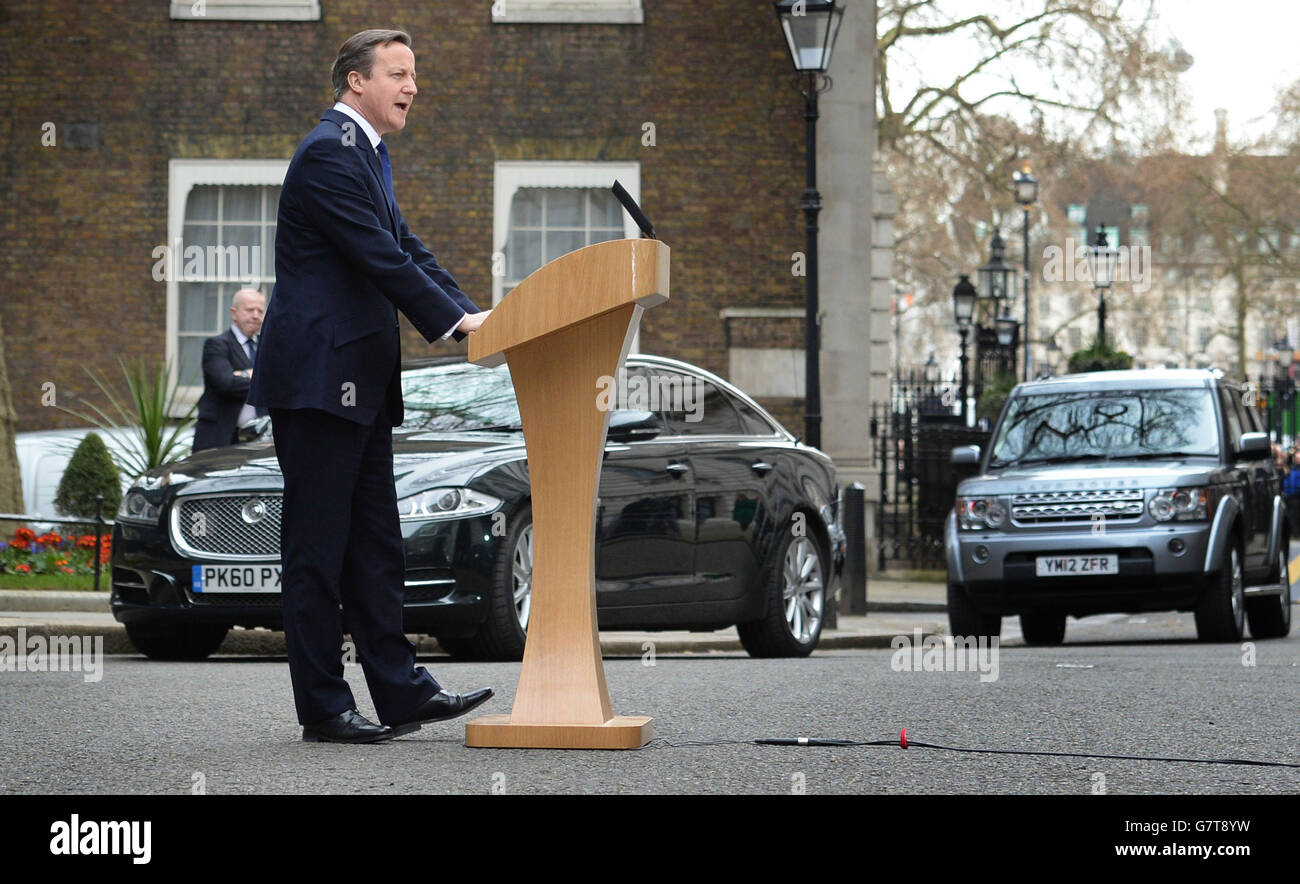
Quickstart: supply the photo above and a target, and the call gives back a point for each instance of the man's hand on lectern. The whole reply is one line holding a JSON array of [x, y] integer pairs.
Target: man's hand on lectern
[[472, 321]]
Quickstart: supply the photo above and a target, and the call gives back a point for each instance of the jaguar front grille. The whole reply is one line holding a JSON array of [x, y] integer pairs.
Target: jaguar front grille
[[228, 527]]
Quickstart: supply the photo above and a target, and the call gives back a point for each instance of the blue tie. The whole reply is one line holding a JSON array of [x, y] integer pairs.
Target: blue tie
[[387, 168], [252, 355]]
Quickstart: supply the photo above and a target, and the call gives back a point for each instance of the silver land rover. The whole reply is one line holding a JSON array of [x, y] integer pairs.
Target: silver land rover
[[1121, 491]]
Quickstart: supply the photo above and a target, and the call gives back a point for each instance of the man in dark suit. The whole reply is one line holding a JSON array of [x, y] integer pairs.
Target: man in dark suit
[[227, 372], [329, 371]]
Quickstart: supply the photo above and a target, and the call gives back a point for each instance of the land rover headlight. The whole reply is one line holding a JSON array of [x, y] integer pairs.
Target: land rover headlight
[[1180, 504], [974, 513], [446, 503]]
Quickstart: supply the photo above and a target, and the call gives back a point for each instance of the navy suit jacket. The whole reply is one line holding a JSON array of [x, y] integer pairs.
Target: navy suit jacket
[[224, 391], [345, 263]]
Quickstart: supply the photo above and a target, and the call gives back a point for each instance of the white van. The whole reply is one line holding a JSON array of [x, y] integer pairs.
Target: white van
[[43, 455]]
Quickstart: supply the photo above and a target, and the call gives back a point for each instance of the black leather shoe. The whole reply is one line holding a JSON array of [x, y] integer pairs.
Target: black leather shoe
[[346, 727], [440, 707]]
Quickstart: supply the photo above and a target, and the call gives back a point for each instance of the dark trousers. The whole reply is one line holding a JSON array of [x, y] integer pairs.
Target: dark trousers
[[343, 565]]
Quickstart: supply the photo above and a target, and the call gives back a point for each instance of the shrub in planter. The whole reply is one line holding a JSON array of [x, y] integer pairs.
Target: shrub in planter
[[1099, 357], [90, 472], [994, 396]]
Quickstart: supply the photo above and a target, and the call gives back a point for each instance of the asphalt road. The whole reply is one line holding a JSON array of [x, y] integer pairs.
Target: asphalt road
[[1120, 685]]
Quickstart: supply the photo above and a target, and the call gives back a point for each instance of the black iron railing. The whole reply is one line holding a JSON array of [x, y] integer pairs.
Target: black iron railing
[[913, 437], [98, 521]]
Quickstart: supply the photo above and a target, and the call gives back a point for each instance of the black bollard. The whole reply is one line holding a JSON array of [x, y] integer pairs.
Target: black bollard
[[855, 553]]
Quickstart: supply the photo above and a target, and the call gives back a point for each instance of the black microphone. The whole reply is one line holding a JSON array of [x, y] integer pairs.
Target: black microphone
[[634, 210]]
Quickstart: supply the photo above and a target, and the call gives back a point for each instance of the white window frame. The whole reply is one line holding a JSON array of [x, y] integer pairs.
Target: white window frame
[[246, 10], [609, 12], [509, 177], [182, 177]]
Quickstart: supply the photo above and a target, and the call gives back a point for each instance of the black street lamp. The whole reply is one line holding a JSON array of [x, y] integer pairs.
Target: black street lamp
[[1026, 186], [1053, 355], [1006, 325], [963, 312], [996, 277], [1283, 386], [809, 27], [1101, 261]]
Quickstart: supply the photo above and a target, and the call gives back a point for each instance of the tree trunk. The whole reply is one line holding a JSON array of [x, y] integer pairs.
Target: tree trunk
[[11, 487]]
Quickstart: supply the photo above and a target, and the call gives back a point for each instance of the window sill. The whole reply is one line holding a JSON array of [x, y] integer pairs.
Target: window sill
[[614, 12], [245, 10]]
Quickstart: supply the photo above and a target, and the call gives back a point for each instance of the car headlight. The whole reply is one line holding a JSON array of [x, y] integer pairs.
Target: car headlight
[[1180, 504], [446, 503], [974, 513], [136, 507]]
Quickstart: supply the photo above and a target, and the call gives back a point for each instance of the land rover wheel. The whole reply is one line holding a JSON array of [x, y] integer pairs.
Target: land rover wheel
[[1221, 614], [1042, 628], [965, 620], [1270, 615]]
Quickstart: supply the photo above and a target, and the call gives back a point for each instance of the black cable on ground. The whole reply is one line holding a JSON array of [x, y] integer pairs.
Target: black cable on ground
[[904, 743]]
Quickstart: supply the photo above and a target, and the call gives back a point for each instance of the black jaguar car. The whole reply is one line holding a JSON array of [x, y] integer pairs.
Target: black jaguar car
[[709, 515]]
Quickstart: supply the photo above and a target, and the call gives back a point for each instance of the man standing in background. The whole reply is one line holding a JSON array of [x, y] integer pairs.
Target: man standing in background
[[227, 373], [329, 371]]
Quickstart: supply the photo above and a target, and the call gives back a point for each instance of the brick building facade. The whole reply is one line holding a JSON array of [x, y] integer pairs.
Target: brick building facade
[[118, 115]]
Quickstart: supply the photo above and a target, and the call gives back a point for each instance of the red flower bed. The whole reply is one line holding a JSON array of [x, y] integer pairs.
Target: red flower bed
[[52, 553]]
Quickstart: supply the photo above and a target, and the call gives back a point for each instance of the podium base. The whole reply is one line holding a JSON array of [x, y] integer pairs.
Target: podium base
[[620, 732]]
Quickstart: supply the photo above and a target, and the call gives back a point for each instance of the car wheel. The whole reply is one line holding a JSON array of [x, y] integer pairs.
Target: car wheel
[[795, 592], [965, 620], [1221, 614], [502, 634], [1040, 628], [1270, 615], [176, 641]]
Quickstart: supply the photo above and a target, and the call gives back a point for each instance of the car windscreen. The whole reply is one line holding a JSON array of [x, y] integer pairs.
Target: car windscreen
[[459, 396], [1107, 424]]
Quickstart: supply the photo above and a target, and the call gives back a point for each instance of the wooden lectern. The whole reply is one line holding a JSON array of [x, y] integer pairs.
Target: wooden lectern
[[563, 328]]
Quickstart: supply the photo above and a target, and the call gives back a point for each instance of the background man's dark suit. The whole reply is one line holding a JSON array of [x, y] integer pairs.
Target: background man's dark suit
[[328, 370], [224, 392]]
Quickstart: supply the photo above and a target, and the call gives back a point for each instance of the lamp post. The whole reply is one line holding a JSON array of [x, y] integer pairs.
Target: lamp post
[[1053, 355], [995, 280], [963, 311], [1283, 386], [1268, 374], [1026, 186], [1006, 325], [931, 371], [810, 27], [1101, 261]]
